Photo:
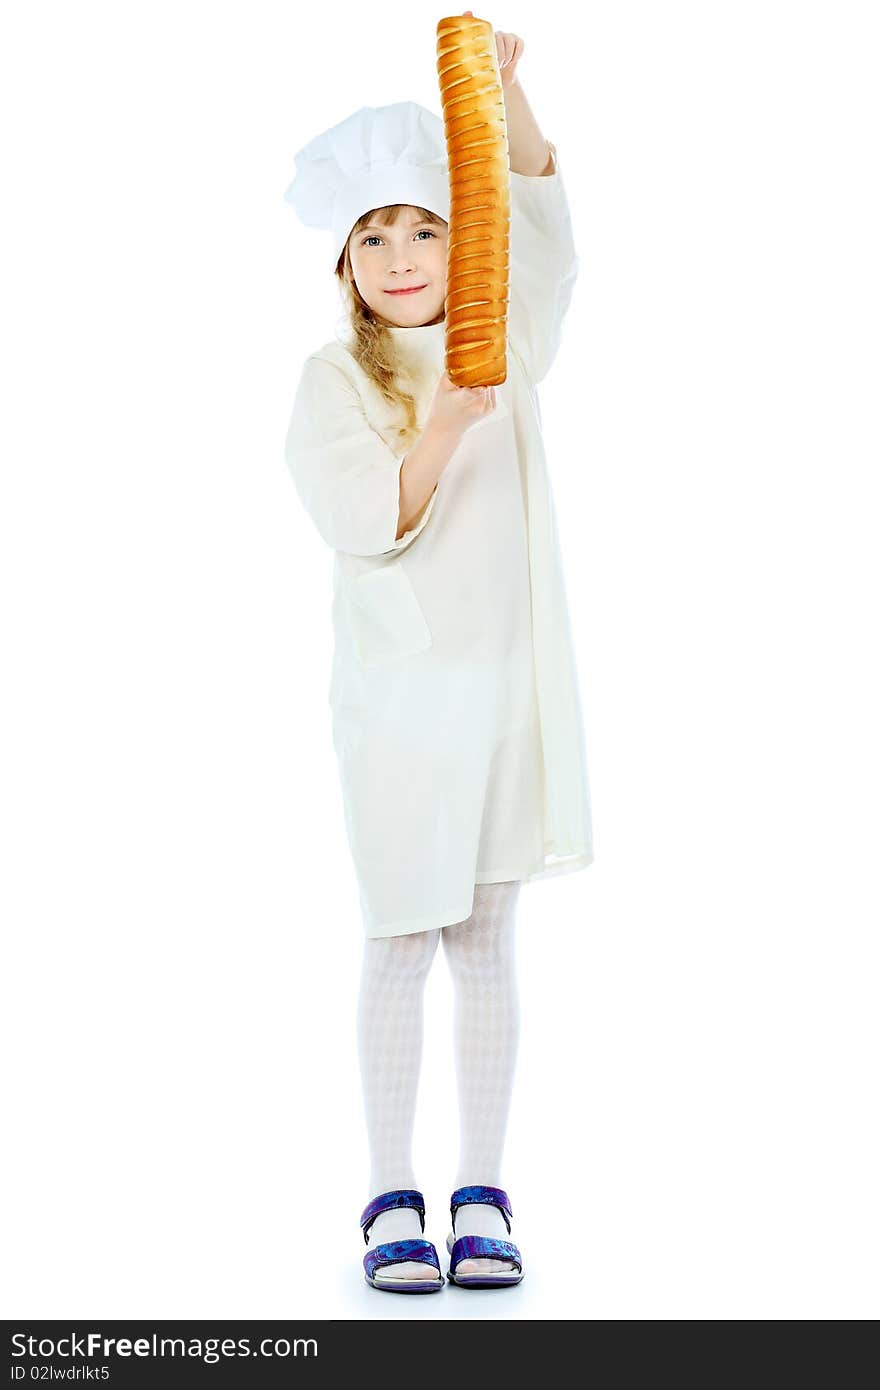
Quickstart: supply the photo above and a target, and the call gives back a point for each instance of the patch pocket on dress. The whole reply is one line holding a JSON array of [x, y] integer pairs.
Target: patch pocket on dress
[[387, 618]]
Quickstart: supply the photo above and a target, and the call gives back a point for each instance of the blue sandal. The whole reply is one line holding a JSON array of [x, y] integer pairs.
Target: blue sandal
[[482, 1247], [397, 1251]]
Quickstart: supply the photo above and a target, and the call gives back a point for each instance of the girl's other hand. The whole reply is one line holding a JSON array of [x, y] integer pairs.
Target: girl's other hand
[[455, 408], [509, 48]]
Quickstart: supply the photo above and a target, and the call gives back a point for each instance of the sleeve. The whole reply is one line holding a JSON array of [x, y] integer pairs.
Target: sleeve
[[347, 477], [543, 267]]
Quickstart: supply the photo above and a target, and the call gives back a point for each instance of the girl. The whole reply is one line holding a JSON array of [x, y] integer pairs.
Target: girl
[[454, 694]]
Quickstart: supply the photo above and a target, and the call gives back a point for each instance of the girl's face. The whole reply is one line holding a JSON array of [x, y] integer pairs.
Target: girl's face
[[404, 255]]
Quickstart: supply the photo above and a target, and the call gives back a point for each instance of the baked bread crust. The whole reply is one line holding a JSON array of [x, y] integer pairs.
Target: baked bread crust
[[478, 264]]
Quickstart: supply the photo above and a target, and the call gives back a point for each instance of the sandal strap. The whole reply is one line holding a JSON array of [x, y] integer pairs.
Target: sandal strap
[[395, 1252], [387, 1201], [485, 1196], [483, 1248]]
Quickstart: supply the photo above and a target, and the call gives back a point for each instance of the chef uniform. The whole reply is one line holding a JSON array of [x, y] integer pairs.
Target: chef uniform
[[456, 711]]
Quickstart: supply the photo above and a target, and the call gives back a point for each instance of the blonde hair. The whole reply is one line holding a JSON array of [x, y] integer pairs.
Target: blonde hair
[[372, 346]]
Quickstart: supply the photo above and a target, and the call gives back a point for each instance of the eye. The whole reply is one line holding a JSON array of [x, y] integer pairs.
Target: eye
[[423, 232]]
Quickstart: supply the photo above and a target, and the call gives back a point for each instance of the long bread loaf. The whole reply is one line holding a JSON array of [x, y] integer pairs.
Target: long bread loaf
[[478, 264]]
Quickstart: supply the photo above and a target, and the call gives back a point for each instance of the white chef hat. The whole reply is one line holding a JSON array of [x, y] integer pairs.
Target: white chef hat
[[378, 156]]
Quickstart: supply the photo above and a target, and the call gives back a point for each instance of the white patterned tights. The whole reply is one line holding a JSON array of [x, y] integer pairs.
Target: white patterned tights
[[480, 952]]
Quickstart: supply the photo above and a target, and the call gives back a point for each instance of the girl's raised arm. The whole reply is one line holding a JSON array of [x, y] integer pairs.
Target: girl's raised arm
[[543, 261], [543, 267]]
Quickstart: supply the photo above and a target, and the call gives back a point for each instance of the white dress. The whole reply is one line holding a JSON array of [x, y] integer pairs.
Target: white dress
[[456, 712]]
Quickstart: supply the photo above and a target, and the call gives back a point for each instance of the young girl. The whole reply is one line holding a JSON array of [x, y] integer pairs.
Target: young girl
[[454, 694]]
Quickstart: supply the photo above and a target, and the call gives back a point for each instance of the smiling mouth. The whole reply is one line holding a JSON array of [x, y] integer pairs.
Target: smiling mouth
[[412, 289]]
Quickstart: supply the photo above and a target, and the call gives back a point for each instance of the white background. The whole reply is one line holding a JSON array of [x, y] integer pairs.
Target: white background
[[694, 1127]]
